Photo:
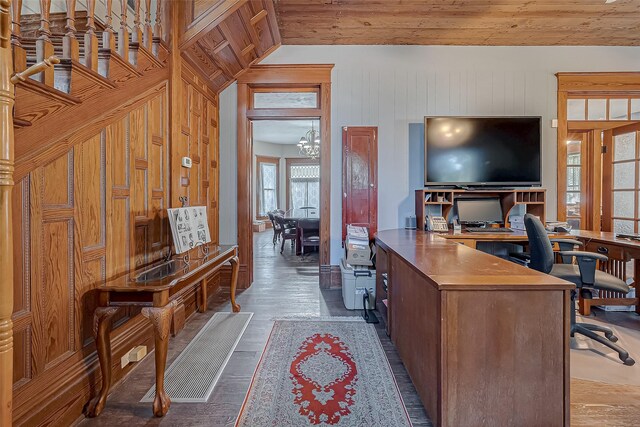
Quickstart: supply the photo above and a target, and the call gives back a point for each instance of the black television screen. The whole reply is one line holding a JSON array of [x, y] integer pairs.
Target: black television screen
[[482, 151]]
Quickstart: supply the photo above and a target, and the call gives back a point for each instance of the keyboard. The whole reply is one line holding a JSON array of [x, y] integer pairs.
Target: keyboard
[[488, 230]]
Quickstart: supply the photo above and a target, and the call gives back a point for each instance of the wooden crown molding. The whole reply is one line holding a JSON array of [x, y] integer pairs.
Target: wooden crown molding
[[287, 74]]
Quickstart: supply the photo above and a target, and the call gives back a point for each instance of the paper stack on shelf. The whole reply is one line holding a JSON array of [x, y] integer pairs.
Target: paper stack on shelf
[[358, 251]]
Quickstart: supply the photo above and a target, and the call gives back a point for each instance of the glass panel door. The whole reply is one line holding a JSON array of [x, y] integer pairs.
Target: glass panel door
[[574, 180], [626, 158]]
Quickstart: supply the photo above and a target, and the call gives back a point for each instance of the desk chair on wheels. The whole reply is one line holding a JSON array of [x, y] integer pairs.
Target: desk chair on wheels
[[584, 275]]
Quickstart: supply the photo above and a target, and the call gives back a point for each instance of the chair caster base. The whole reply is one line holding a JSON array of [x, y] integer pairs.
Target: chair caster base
[[628, 361]]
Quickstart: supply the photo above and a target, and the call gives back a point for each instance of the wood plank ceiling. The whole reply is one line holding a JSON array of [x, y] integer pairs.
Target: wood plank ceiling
[[459, 22], [223, 38]]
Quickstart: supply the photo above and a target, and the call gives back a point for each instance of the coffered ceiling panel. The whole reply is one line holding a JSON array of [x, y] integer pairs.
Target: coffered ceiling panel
[[225, 39], [459, 22]]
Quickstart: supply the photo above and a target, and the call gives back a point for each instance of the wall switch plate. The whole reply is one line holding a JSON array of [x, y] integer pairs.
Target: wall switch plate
[[554, 123], [186, 162], [136, 354], [124, 360]]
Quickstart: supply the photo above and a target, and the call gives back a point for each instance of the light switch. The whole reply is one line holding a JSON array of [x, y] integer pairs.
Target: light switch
[[186, 162]]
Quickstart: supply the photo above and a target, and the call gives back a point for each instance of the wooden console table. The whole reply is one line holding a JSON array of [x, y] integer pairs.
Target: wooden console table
[[156, 289], [485, 341]]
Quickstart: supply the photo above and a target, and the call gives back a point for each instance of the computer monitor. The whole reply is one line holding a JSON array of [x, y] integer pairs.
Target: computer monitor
[[484, 210]]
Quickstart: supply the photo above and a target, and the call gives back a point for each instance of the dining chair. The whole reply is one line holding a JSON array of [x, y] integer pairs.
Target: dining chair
[[309, 233], [288, 232]]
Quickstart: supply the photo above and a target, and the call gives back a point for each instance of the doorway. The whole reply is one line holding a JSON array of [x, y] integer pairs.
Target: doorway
[[282, 92], [286, 192]]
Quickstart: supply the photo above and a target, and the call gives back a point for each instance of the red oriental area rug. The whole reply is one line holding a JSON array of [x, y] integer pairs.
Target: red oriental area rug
[[329, 372]]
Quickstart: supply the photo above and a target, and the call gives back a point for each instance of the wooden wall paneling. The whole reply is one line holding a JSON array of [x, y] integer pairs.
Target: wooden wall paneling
[[158, 167], [214, 180], [52, 267], [90, 232], [38, 145], [22, 316], [77, 216]]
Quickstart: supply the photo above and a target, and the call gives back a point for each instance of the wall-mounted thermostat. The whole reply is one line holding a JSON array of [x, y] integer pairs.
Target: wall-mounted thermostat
[[186, 162]]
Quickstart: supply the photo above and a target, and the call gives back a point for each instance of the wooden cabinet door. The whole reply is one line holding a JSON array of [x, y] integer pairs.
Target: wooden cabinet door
[[360, 178]]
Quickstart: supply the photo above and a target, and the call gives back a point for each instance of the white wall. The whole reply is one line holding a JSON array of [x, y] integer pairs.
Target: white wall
[[394, 86]]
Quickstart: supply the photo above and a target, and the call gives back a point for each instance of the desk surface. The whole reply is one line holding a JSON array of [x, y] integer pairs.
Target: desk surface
[[605, 237], [448, 265]]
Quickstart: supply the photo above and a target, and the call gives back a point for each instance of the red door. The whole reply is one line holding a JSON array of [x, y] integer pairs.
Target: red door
[[360, 178]]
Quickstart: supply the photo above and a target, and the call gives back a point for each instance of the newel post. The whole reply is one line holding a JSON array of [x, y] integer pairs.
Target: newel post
[[6, 223]]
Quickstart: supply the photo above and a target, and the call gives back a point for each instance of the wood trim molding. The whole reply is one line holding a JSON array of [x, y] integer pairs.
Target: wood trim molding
[[612, 82], [589, 85], [330, 277], [276, 77], [287, 74]]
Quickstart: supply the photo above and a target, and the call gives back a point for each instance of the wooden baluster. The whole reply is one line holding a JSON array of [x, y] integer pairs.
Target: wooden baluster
[[108, 36], [16, 14], [157, 29], [136, 35], [148, 31], [6, 221], [19, 54], [123, 33], [70, 46], [44, 47], [90, 38]]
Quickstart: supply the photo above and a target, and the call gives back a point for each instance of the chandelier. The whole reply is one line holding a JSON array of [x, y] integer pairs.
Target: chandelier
[[309, 144]]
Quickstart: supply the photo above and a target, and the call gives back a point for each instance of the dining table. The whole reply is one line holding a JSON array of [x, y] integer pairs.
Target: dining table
[[293, 217]]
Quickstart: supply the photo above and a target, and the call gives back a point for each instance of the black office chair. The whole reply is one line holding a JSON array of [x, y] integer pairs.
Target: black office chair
[[584, 275]]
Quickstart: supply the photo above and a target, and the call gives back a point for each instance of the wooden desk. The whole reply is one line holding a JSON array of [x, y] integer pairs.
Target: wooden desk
[[485, 341], [158, 296], [620, 251], [471, 239]]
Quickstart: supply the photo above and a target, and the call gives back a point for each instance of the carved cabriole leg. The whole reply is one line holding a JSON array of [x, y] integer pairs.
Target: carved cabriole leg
[[235, 266], [101, 328], [160, 318]]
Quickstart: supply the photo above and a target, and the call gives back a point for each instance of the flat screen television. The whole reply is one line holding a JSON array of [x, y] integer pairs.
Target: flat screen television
[[482, 151]]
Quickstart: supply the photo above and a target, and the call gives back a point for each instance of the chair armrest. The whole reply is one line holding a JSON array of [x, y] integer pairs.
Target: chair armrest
[[565, 244], [586, 263], [583, 254], [567, 241]]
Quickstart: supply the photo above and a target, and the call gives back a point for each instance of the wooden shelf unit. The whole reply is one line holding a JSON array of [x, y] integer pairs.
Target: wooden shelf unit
[[534, 200]]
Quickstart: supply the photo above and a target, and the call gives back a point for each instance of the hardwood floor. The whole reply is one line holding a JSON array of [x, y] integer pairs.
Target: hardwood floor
[[284, 285], [287, 285]]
